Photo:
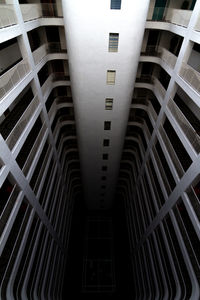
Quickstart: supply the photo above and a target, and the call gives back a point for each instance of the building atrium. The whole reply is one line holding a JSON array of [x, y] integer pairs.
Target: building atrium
[[99, 149]]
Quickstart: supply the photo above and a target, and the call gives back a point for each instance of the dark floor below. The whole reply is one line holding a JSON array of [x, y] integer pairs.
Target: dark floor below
[[98, 265]]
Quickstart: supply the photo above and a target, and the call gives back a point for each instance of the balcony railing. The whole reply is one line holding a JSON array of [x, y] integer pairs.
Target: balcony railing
[[168, 57], [145, 78], [152, 111], [158, 88], [39, 10], [7, 209], [187, 128], [34, 149], [42, 170], [7, 15], [176, 16], [60, 76], [191, 76], [21, 124], [140, 100], [63, 99], [13, 76], [45, 49], [171, 152], [161, 170]]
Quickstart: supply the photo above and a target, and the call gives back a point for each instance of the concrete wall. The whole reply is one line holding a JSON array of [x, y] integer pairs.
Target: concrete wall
[[88, 24]]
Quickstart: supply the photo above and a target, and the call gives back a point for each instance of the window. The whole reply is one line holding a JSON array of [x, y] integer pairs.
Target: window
[[105, 156], [103, 177], [107, 125], [104, 168], [113, 42], [111, 77], [115, 4], [108, 104], [106, 142]]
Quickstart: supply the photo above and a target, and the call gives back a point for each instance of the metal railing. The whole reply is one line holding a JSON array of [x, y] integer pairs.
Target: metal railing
[[161, 170], [45, 49], [187, 128], [60, 76], [22, 122], [168, 57], [191, 76], [140, 100], [11, 201], [178, 16], [145, 78], [13, 76], [42, 170], [33, 151], [7, 15], [162, 53], [38, 10], [152, 111], [171, 152], [151, 50], [63, 99], [158, 88]]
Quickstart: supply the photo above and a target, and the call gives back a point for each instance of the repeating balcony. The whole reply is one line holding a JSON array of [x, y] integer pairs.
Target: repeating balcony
[[21, 124], [171, 15], [192, 135], [13, 76], [7, 15], [164, 54], [191, 76], [45, 49], [40, 10]]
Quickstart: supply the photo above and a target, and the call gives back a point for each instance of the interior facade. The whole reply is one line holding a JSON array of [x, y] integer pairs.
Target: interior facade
[[100, 129]]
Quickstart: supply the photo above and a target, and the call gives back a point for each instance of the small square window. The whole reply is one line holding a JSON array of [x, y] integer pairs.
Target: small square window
[[105, 156], [103, 177], [108, 103], [107, 125], [113, 42], [106, 142], [103, 186], [115, 4], [104, 168], [111, 77]]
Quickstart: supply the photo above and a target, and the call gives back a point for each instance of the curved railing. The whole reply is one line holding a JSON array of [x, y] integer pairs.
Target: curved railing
[[45, 49], [172, 15], [40, 10], [187, 128], [191, 76], [13, 76]]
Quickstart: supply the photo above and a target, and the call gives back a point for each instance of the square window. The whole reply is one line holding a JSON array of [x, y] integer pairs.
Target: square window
[[104, 168], [106, 142], [108, 103], [113, 42], [103, 177], [103, 186], [115, 4], [111, 77], [105, 156], [107, 125]]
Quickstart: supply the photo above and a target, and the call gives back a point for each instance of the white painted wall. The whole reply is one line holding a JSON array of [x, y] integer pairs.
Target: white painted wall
[[87, 25]]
